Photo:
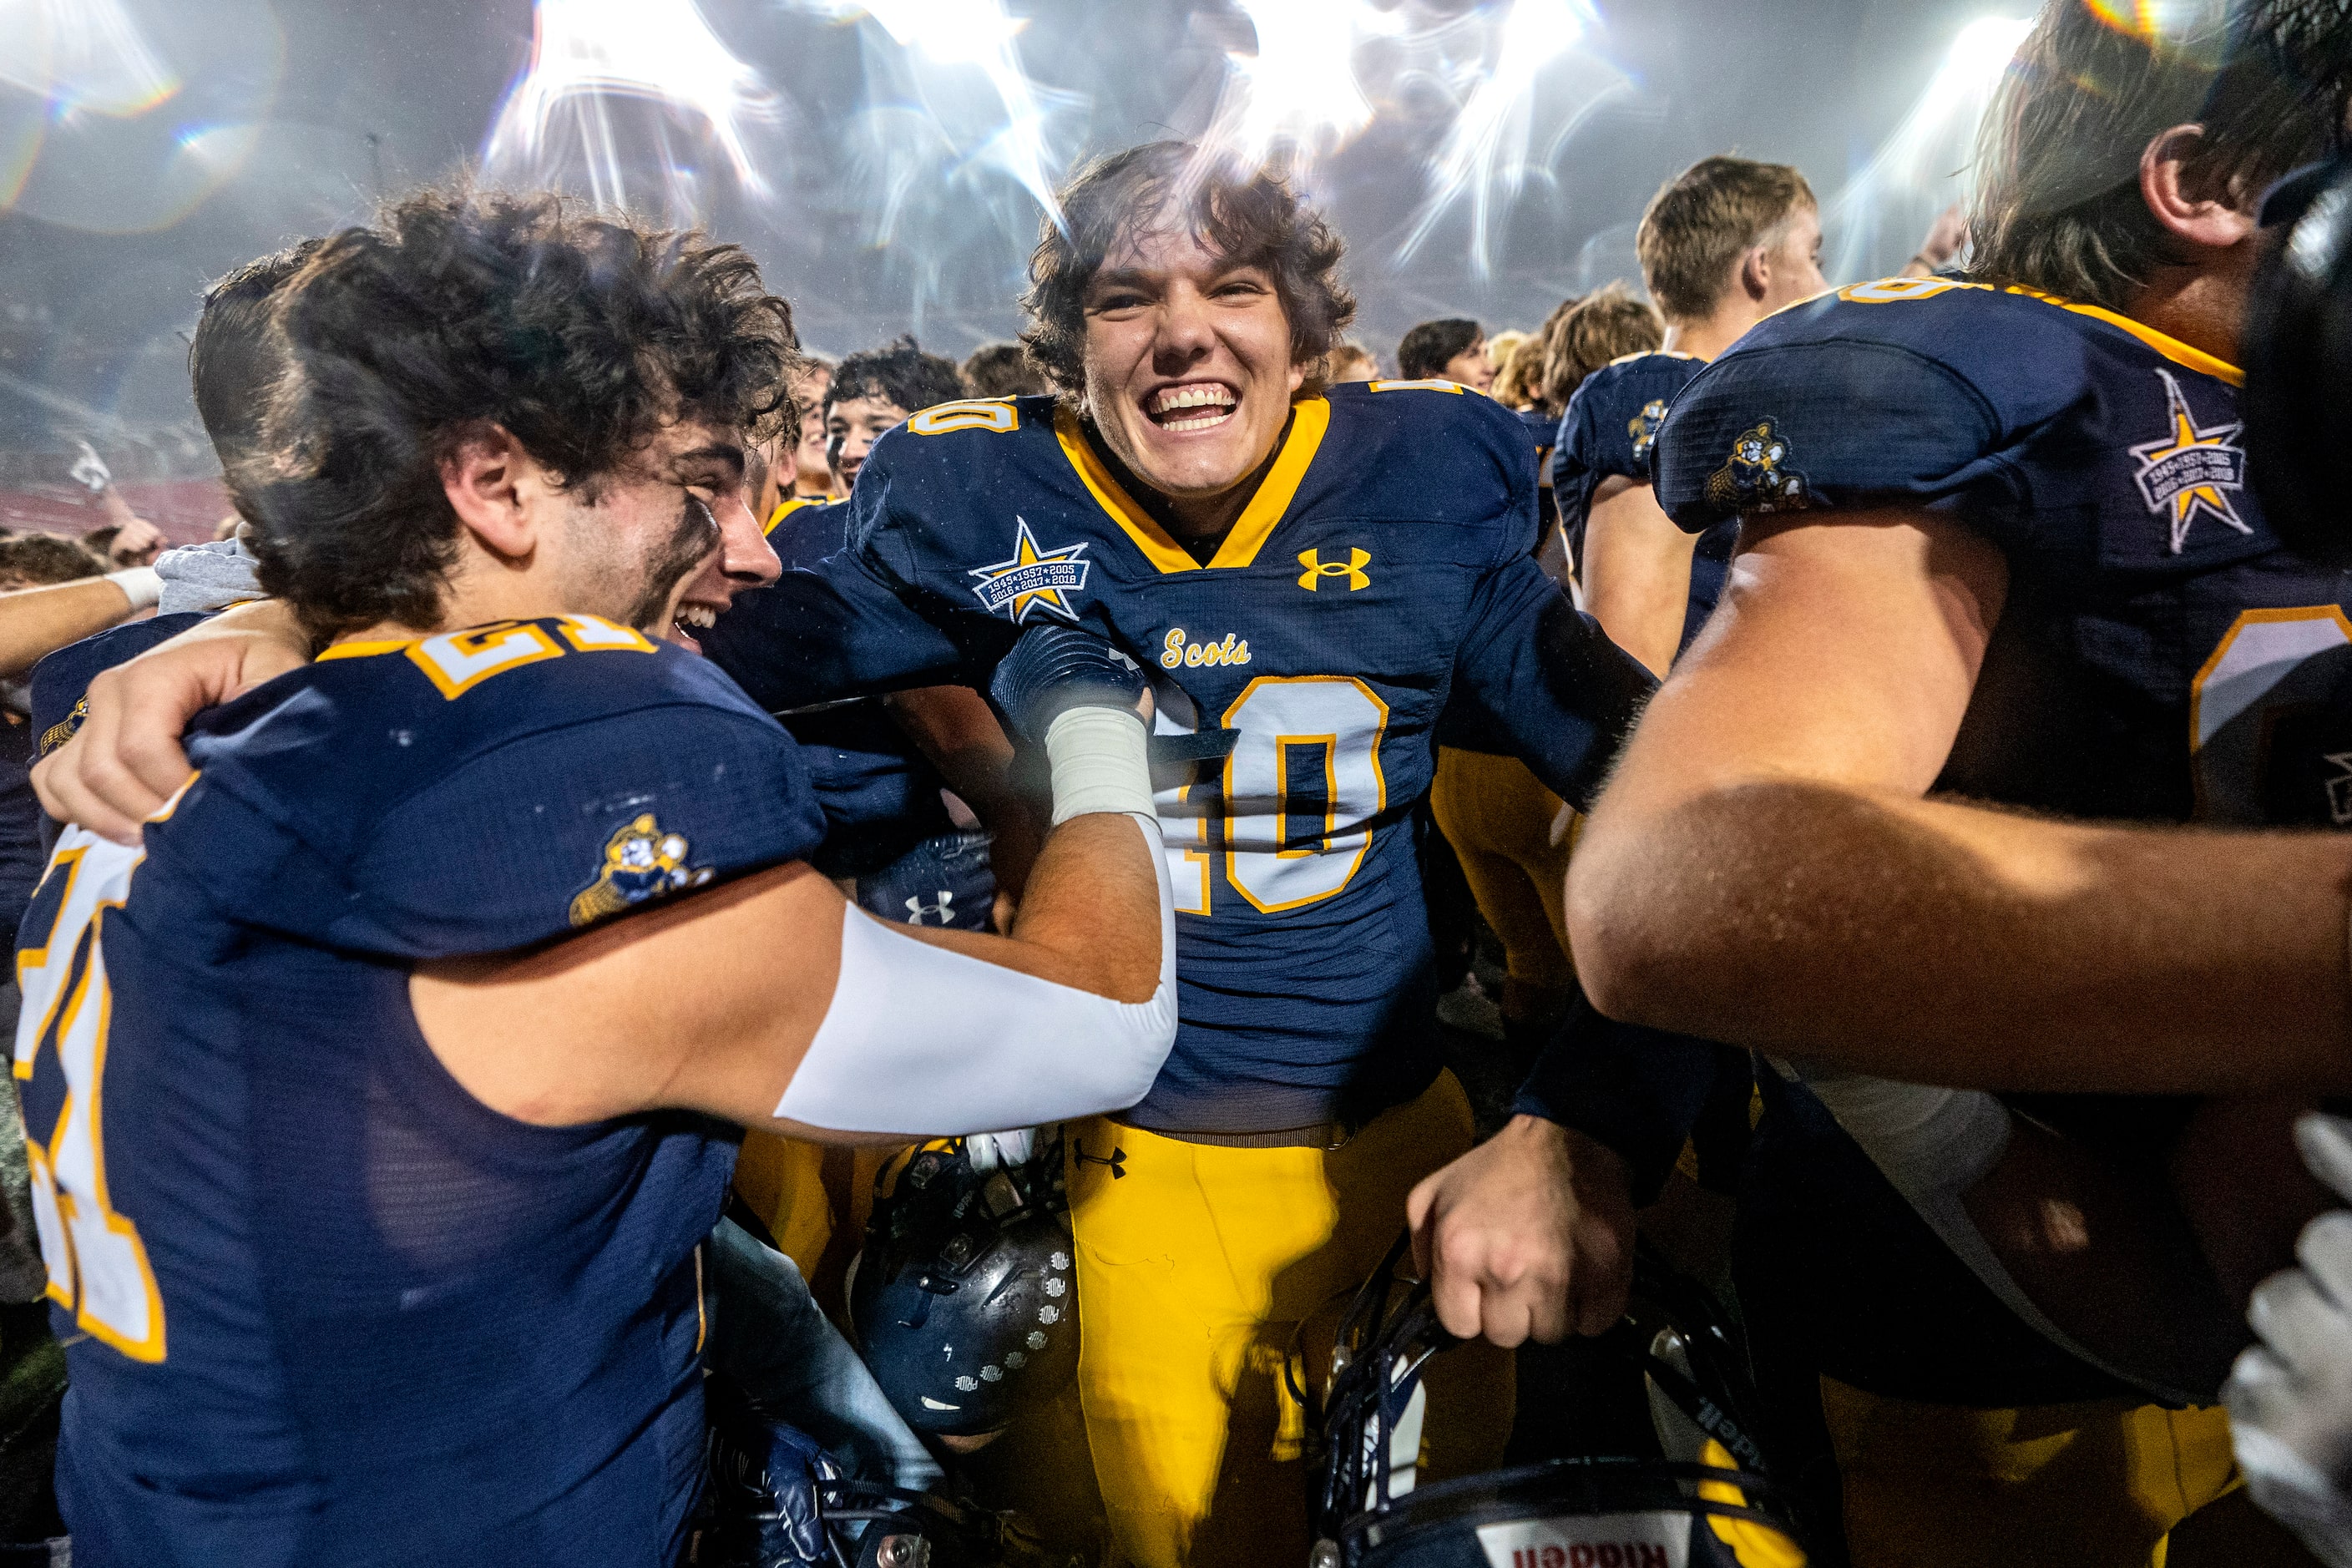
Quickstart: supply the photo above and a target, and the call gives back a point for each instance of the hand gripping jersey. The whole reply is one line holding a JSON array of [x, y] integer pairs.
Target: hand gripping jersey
[[323, 1306], [2158, 645], [881, 797], [1609, 431], [1379, 574], [59, 686]]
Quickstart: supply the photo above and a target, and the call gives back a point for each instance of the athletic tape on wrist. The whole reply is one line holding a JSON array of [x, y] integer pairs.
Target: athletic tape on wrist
[[142, 585], [1101, 762]]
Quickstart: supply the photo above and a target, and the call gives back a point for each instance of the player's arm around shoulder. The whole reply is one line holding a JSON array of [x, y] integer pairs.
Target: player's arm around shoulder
[[769, 1001], [1764, 868]]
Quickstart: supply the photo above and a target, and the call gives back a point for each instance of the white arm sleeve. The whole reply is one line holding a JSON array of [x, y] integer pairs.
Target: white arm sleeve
[[1932, 1145], [926, 1042]]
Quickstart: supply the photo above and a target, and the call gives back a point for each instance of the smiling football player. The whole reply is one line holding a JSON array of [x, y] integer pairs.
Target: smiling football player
[[1310, 576]]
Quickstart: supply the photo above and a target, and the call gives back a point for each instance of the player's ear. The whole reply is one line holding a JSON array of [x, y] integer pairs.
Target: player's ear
[[2189, 208], [486, 474], [1755, 277]]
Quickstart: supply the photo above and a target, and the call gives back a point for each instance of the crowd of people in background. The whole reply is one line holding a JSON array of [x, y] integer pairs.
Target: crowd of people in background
[[1660, 828]]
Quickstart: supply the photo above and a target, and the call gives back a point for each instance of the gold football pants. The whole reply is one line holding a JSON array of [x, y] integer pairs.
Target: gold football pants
[[1498, 817], [2098, 1484], [1195, 1265]]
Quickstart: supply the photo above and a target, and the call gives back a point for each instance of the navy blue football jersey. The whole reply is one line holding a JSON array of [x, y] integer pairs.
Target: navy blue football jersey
[[1611, 424], [2160, 654], [881, 795], [2159, 658], [60, 688], [321, 1304], [1379, 575]]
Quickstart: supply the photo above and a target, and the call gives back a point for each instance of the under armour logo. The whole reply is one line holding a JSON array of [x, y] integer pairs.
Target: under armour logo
[[1117, 1160], [2339, 789], [920, 913], [1318, 569]]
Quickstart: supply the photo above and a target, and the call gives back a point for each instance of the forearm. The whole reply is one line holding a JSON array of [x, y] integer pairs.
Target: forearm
[[1088, 919], [1943, 943], [37, 622], [957, 731], [1636, 1091]]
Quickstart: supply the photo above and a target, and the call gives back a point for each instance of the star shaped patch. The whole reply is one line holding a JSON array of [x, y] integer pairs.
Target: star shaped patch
[[1034, 578]]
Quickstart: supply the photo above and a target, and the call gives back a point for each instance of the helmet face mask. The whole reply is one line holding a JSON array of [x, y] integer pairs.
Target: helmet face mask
[[1707, 1504], [964, 1299], [774, 1498]]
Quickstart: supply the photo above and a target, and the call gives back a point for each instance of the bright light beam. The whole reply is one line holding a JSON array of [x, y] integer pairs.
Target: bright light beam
[[1298, 96], [1924, 159], [81, 54], [978, 35], [586, 52], [1485, 155]]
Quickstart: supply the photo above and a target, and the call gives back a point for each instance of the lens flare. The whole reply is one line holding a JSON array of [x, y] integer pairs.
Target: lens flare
[[557, 124], [943, 40], [82, 55], [1922, 167], [1485, 158], [2149, 21], [1298, 98]]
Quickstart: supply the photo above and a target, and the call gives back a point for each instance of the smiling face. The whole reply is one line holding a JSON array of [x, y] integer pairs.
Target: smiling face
[[1187, 369], [852, 425], [671, 539]]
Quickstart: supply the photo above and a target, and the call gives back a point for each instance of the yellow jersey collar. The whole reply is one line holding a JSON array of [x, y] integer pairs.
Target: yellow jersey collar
[[2171, 348], [1310, 418]]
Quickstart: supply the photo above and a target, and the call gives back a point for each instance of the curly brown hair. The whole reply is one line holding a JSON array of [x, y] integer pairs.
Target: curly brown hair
[[580, 334], [1252, 218]]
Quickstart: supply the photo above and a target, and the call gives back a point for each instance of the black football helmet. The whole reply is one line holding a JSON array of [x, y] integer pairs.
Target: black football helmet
[[772, 1498], [1708, 1504], [2298, 356], [964, 1299]]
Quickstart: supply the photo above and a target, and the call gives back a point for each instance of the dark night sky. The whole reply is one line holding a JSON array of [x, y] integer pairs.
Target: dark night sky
[[90, 322]]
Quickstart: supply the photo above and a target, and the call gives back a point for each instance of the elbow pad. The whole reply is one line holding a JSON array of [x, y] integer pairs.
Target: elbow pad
[[922, 1041], [1932, 1145]]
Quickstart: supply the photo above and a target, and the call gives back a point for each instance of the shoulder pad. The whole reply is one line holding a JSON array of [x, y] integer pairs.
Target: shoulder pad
[[1900, 391]]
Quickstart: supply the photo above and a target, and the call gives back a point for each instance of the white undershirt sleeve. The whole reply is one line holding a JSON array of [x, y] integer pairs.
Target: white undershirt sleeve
[[1932, 1145], [927, 1042]]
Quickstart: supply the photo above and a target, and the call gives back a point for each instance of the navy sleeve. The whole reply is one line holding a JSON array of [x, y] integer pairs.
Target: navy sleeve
[[1830, 426], [61, 680], [835, 632], [1543, 674], [565, 828], [1635, 1090], [537, 838]]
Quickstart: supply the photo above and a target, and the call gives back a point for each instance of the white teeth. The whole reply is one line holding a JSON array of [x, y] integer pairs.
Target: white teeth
[[1169, 399], [702, 617]]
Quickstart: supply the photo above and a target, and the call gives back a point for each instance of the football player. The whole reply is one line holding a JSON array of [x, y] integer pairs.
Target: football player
[[1997, 542], [873, 393], [376, 1240], [1310, 580], [1311, 577], [1723, 245]]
